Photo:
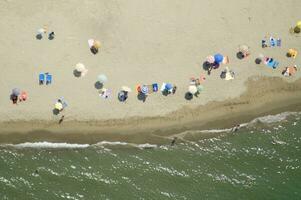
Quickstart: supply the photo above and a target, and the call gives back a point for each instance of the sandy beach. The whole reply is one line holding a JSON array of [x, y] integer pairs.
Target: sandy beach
[[143, 42]]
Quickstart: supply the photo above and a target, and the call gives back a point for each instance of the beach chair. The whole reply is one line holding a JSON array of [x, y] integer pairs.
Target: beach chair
[[272, 42], [41, 78], [48, 79], [278, 42], [272, 63], [155, 87]]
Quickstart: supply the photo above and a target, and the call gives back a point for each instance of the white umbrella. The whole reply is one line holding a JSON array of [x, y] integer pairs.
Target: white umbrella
[[192, 89], [80, 67], [125, 88], [102, 78], [41, 31]]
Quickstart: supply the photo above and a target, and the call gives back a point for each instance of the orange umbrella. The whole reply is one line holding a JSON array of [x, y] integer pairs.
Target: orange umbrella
[[23, 96], [292, 70]]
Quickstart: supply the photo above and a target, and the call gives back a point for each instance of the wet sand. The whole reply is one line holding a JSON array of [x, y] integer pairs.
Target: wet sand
[[264, 96]]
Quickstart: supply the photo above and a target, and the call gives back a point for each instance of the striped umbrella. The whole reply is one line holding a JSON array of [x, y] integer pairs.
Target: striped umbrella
[[144, 89], [210, 59]]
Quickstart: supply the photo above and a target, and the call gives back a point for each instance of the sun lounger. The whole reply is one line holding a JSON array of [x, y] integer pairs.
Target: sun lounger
[[272, 63], [272, 42], [48, 79], [41, 78], [278, 42]]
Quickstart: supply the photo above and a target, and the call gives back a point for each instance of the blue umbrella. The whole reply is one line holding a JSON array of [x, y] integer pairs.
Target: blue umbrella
[[144, 89], [168, 86], [16, 91], [122, 96], [218, 58]]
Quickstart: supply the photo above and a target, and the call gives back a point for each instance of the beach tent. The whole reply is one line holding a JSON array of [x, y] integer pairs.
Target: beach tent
[[102, 78]]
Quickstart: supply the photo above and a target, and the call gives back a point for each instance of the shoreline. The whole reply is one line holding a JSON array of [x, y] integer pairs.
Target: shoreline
[[274, 96]]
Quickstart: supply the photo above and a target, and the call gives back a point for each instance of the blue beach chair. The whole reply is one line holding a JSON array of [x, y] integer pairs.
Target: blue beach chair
[[41, 78], [48, 78], [155, 87], [273, 63]]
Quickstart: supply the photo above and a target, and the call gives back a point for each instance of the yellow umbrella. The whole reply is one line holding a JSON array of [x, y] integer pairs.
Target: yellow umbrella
[[299, 24], [96, 44], [58, 106]]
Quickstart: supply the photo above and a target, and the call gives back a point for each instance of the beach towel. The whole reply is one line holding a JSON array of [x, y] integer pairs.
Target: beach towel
[[278, 42]]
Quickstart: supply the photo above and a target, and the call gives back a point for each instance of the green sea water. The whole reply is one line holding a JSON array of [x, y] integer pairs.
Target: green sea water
[[260, 161]]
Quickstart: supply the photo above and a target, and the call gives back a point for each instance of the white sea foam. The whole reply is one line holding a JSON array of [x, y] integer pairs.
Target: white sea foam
[[48, 145], [274, 118]]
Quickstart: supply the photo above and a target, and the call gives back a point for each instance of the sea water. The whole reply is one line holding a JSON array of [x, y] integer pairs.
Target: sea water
[[260, 161]]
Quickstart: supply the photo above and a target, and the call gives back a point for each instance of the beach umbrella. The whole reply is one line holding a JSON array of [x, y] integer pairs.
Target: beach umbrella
[[102, 78], [210, 59], [16, 91], [192, 89], [218, 58], [168, 86], [299, 24], [80, 67], [127, 89], [96, 44], [243, 48], [58, 106], [292, 70], [41, 31], [122, 96], [144, 89], [23, 95]]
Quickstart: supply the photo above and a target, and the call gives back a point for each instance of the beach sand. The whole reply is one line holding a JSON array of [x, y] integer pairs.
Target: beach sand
[[143, 42]]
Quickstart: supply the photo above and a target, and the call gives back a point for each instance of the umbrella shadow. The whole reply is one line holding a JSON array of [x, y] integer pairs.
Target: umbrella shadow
[[55, 111], [77, 73], [207, 65], [50, 37], [188, 96], [94, 50], [258, 61], [240, 55], [141, 97], [165, 93], [98, 85], [39, 36]]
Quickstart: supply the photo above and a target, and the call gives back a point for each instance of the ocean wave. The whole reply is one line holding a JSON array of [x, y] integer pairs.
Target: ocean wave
[[50, 145], [274, 118], [47, 145]]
